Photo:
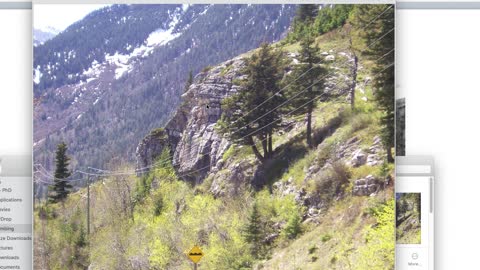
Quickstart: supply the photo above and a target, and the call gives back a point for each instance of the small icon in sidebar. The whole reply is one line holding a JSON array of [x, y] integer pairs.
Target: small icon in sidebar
[[415, 256]]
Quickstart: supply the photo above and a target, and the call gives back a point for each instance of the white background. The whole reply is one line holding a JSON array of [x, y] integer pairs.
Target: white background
[[438, 71], [15, 82]]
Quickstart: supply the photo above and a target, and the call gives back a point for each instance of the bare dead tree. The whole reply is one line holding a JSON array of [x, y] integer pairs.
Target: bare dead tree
[[354, 77], [354, 68]]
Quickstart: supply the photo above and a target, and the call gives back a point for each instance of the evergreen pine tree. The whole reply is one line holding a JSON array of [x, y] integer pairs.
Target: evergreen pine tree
[[250, 116], [331, 17], [253, 232], [81, 240], [308, 87], [303, 21], [379, 35], [294, 226], [307, 12], [61, 187]]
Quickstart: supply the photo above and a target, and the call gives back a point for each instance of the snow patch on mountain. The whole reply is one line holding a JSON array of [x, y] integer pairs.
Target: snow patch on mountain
[[94, 70], [37, 75], [124, 63], [160, 37], [121, 61]]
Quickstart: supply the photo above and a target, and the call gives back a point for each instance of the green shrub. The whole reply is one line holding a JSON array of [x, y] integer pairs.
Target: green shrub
[[158, 204], [227, 68], [142, 187], [333, 181], [81, 239], [46, 212], [294, 226], [334, 259], [229, 153], [361, 121], [325, 238]]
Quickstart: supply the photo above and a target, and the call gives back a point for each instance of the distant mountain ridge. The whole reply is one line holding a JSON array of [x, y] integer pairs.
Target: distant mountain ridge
[[102, 92], [40, 36]]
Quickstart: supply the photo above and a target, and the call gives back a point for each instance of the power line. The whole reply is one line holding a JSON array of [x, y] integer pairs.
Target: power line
[[140, 170], [203, 168], [304, 90], [368, 24], [117, 173], [377, 40], [208, 166], [113, 173], [285, 87]]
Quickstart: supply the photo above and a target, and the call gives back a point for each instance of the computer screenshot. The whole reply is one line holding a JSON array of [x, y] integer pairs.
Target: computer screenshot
[[234, 132], [273, 134]]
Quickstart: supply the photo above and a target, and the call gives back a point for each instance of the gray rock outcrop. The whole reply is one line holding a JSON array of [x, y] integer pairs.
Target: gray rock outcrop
[[149, 149], [191, 134], [358, 158], [366, 186], [200, 147]]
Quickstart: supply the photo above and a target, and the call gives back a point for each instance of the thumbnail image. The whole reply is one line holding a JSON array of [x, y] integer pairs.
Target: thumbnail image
[[216, 136], [408, 218]]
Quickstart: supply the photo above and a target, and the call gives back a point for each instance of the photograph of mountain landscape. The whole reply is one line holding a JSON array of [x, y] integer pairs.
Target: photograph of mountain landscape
[[408, 218], [261, 134]]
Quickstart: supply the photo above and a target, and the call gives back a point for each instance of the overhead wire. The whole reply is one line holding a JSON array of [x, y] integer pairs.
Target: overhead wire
[[140, 170], [162, 162], [285, 87]]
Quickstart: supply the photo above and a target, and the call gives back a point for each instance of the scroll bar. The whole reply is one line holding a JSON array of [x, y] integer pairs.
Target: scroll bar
[[431, 194]]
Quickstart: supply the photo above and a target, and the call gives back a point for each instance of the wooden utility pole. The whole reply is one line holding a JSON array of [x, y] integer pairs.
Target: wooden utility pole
[[34, 192], [88, 204]]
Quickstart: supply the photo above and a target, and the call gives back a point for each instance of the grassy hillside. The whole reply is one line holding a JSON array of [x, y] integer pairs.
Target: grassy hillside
[[168, 216]]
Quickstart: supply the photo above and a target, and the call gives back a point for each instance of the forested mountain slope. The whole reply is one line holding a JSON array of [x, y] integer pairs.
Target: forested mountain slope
[[108, 79]]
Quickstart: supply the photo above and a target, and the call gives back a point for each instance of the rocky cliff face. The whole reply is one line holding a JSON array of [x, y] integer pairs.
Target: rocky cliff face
[[198, 148], [191, 133], [150, 148]]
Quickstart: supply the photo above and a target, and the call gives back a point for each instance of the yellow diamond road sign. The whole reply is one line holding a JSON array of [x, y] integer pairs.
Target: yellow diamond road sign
[[195, 254]]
